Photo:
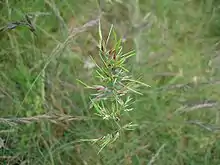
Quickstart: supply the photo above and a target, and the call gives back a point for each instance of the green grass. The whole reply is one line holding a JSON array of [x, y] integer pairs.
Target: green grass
[[177, 56]]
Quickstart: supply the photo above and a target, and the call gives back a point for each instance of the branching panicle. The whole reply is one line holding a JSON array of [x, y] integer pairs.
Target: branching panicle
[[111, 98]]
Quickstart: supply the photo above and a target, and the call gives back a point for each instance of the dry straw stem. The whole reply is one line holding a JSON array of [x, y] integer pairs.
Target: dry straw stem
[[191, 85], [7, 157], [153, 159], [196, 107], [53, 118], [11, 159], [208, 127]]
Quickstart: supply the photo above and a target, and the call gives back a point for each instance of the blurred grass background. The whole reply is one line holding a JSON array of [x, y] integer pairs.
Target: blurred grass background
[[176, 53]]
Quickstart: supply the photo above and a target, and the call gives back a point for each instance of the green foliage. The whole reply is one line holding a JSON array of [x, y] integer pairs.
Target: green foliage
[[112, 98], [48, 118]]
